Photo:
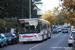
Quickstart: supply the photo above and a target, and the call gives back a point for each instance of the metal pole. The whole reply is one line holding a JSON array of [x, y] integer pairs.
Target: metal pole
[[22, 8], [29, 8], [45, 9]]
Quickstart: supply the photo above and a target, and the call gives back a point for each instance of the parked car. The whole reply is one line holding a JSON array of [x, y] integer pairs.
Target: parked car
[[55, 30], [54, 27], [59, 29], [71, 38], [11, 38], [73, 30], [62, 27], [3, 40], [73, 43], [65, 30]]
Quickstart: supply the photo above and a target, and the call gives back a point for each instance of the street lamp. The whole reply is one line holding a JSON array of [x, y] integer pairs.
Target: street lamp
[[30, 9], [45, 9]]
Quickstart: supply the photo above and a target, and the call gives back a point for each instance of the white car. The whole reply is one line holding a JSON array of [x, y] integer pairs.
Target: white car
[[59, 29], [71, 38]]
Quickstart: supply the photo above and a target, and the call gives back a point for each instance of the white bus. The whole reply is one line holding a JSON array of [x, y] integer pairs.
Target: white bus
[[34, 29]]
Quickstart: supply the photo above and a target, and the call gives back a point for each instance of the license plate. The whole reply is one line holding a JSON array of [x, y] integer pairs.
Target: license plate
[[29, 39]]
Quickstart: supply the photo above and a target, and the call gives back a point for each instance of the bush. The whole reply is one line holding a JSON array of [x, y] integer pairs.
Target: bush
[[11, 24], [2, 30], [2, 23]]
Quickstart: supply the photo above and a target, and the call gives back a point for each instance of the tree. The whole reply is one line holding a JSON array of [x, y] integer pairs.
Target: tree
[[51, 19], [49, 16], [49, 13], [56, 11], [13, 8], [69, 10], [59, 19]]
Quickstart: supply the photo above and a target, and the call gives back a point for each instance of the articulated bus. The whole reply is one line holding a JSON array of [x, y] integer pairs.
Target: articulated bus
[[34, 29]]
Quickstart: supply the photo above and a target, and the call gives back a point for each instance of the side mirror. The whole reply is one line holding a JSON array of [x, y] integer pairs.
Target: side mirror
[[12, 36]]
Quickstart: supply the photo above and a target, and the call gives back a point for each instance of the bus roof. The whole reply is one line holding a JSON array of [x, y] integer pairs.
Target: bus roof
[[29, 19], [34, 19]]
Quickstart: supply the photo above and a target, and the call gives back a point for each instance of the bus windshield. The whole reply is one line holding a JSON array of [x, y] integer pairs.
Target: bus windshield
[[29, 26]]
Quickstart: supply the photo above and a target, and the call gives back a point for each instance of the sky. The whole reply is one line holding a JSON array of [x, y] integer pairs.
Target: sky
[[49, 5]]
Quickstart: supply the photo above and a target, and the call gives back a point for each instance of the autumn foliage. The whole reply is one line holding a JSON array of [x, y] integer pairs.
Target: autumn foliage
[[69, 10], [49, 16], [52, 19]]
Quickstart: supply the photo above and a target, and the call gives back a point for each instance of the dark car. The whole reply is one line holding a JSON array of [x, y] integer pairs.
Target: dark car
[[55, 30], [11, 38], [65, 30]]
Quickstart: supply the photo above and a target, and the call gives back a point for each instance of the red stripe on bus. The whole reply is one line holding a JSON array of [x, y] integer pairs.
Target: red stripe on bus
[[28, 36]]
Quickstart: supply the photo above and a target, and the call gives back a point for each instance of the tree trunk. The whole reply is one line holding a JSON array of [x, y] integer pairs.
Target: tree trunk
[[17, 18], [10, 18]]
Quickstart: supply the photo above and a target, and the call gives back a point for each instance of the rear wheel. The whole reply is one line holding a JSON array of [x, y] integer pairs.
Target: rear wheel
[[42, 38], [69, 45]]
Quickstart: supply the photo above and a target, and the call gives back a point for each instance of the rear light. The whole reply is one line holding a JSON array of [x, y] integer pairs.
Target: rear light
[[70, 37], [67, 30]]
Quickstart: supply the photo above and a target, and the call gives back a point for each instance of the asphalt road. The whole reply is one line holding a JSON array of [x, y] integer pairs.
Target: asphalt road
[[57, 42]]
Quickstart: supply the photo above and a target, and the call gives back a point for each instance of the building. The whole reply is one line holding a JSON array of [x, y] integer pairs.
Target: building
[[38, 5]]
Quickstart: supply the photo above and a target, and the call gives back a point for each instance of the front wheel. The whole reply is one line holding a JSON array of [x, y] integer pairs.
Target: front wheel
[[1, 45], [6, 44], [24, 42]]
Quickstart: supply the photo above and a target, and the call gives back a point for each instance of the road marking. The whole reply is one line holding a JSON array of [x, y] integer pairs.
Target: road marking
[[35, 46]]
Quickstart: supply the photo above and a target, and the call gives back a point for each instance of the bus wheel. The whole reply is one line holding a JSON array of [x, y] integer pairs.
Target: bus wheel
[[42, 38], [24, 42]]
